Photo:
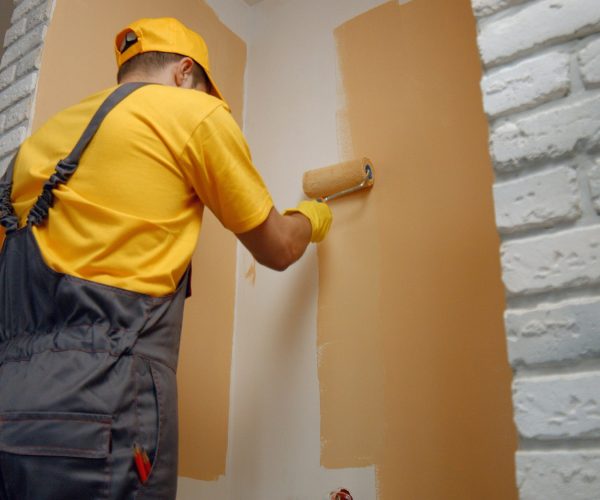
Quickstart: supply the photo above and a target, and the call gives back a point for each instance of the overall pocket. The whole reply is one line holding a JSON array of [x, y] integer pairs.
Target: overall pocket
[[147, 415], [54, 456], [162, 481]]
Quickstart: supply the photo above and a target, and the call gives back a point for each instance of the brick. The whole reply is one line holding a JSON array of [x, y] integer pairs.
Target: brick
[[483, 8], [30, 62], [558, 475], [558, 406], [549, 134], [539, 200], [4, 163], [7, 76], [15, 31], [19, 113], [26, 6], [18, 90], [589, 63], [39, 15], [26, 43], [544, 263], [12, 140], [538, 24], [594, 183], [566, 331], [526, 84]]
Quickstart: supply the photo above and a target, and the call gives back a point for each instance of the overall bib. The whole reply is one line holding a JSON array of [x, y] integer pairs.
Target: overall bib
[[87, 371]]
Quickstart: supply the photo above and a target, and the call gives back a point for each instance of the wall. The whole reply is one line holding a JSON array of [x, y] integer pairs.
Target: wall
[[384, 354], [410, 292], [291, 126], [405, 423], [541, 95]]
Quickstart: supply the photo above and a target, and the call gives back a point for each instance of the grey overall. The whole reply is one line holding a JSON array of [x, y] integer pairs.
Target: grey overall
[[86, 370]]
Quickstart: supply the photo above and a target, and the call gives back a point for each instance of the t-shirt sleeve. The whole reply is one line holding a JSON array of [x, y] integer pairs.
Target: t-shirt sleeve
[[223, 175]]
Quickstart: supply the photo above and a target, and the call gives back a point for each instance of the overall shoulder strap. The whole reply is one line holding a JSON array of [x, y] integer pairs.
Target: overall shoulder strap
[[66, 167]]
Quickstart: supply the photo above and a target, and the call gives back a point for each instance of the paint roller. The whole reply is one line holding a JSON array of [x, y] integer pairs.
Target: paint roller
[[328, 183]]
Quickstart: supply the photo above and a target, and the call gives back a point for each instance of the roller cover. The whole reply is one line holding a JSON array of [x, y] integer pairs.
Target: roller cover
[[325, 181]]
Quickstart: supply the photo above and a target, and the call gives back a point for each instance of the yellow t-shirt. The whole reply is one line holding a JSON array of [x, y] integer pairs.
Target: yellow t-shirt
[[130, 215]]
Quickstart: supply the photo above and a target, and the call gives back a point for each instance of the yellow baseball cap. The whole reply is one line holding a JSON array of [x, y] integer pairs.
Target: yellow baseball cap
[[164, 34]]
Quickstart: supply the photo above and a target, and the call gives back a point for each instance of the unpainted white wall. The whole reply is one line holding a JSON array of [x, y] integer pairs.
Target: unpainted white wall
[[292, 99]]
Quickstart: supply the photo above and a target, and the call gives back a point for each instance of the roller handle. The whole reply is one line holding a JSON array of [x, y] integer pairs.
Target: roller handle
[[366, 182]]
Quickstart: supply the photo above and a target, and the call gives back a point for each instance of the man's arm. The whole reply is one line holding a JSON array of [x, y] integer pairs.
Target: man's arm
[[282, 239], [279, 241], [225, 179]]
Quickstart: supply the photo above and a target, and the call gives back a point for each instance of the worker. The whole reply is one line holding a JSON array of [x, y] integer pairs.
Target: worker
[[101, 210]]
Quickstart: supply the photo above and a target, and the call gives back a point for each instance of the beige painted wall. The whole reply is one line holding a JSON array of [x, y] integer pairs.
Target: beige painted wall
[[414, 374], [78, 59]]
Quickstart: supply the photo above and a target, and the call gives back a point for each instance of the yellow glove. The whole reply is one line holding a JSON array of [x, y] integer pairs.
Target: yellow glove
[[318, 213]]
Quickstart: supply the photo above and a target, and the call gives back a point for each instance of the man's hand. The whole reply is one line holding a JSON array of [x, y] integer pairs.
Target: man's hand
[[320, 217]]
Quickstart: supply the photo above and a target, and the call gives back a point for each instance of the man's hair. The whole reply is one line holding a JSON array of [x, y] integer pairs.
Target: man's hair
[[147, 62]]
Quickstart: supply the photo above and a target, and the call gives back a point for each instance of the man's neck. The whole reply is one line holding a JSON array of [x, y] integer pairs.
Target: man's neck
[[145, 77]]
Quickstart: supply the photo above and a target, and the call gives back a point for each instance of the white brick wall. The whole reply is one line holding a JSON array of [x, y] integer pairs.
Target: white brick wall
[[24, 44], [558, 475], [23, 7], [19, 71], [10, 141], [594, 182], [555, 261], [7, 76], [541, 93], [537, 25], [526, 84], [559, 332], [589, 63], [487, 7], [16, 31], [552, 133], [18, 90], [558, 406], [538, 200]]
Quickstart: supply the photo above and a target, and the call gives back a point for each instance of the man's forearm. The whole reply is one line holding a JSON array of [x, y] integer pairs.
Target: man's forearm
[[282, 239]]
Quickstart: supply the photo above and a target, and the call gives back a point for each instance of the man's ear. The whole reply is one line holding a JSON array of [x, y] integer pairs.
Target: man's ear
[[183, 72]]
